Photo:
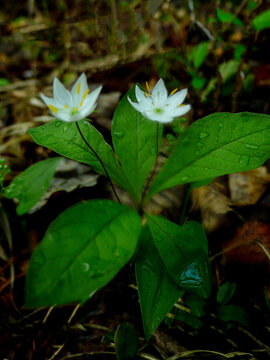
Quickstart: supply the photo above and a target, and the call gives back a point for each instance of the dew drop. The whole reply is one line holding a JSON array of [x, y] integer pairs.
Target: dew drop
[[153, 151], [57, 124], [244, 160], [200, 144], [252, 146], [184, 178], [65, 129], [119, 134], [220, 124], [158, 238], [203, 135]]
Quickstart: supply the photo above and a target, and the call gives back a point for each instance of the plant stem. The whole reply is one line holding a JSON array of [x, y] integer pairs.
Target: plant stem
[[188, 187], [99, 159], [152, 173]]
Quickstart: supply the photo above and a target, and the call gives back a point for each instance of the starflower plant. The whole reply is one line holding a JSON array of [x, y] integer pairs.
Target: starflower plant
[[72, 105], [90, 242], [158, 106]]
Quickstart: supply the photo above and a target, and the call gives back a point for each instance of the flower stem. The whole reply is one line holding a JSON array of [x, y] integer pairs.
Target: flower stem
[[152, 173], [99, 159]]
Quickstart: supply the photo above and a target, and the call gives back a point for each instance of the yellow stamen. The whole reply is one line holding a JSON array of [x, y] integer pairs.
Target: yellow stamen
[[180, 105], [75, 109], [78, 88], [174, 91], [65, 106], [53, 108], [146, 95], [147, 87], [84, 96]]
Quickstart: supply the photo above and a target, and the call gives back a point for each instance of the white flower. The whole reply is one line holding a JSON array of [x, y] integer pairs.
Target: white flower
[[158, 106], [72, 105]]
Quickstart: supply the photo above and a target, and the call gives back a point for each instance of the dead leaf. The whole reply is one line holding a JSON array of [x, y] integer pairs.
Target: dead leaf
[[212, 202], [247, 187], [69, 176], [250, 245]]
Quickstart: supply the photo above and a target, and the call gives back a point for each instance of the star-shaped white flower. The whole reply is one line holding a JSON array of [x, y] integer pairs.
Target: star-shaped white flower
[[158, 106], [72, 105]]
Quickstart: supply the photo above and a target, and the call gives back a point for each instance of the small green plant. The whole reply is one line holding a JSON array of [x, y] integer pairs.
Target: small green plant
[[89, 243]]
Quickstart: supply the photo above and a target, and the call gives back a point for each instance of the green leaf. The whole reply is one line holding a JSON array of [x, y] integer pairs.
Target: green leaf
[[184, 251], [135, 141], [225, 292], [158, 292], [198, 184], [64, 138], [31, 184], [228, 69], [82, 250], [126, 342], [262, 21], [233, 313], [196, 304], [224, 16], [199, 54], [219, 144]]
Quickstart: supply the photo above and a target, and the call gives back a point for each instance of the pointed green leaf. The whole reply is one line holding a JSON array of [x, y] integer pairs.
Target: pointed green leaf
[[262, 21], [158, 292], [82, 250], [135, 141], [199, 54], [184, 251], [219, 144], [31, 184], [126, 342], [64, 138]]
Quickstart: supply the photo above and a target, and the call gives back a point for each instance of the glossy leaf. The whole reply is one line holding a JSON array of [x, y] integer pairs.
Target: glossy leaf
[[134, 140], [82, 250], [64, 138], [31, 184], [126, 342], [183, 250], [219, 144], [158, 292], [225, 292], [262, 21], [199, 54]]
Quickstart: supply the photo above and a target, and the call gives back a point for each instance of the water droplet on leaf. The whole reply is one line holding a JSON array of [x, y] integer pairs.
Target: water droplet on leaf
[[252, 146], [119, 134], [203, 135], [200, 144], [57, 124], [244, 160]]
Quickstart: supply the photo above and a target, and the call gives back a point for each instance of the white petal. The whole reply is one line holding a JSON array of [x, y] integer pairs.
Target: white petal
[[86, 111], [140, 95], [162, 118], [64, 115], [79, 89], [159, 93], [49, 101], [179, 111], [177, 98], [61, 94], [90, 101], [136, 106]]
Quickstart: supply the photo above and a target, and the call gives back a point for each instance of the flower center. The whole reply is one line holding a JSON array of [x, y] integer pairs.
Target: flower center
[[158, 111], [74, 111]]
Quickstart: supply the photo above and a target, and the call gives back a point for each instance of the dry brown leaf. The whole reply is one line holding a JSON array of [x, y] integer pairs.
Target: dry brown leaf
[[250, 245], [212, 202], [247, 187]]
